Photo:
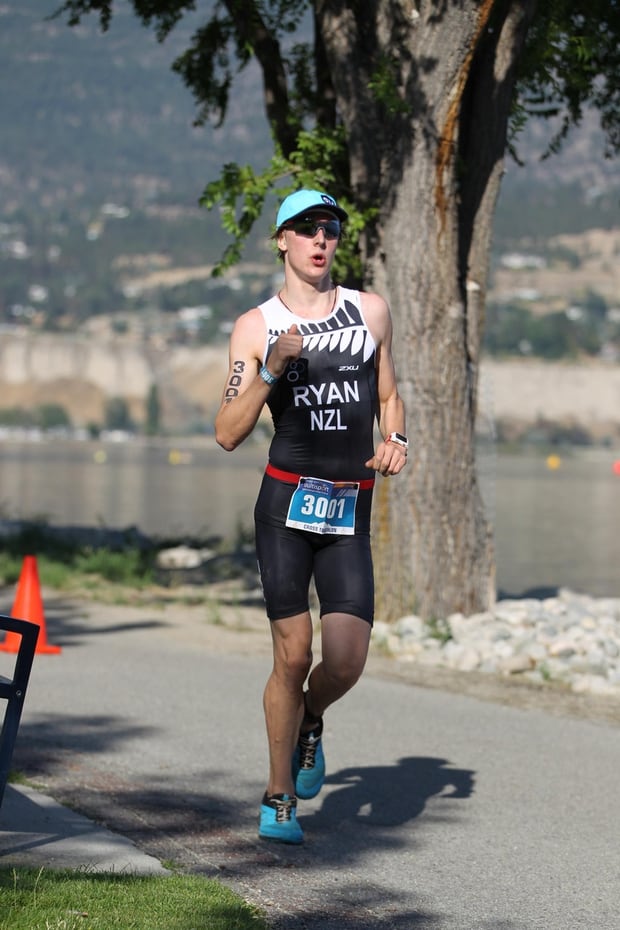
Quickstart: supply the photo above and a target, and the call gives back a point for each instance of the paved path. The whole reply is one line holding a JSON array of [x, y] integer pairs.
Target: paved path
[[441, 811]]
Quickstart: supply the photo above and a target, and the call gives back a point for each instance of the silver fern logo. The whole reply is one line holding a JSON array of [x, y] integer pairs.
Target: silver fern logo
[[344, 331]]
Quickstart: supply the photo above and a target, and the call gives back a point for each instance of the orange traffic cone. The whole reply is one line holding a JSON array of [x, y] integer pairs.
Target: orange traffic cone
[[28, 606]]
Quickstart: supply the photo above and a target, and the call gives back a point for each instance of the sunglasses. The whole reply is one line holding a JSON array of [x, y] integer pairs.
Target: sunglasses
[[309, 226]]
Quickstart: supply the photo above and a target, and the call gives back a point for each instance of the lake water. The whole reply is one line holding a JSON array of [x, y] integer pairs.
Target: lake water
[[554, 527]]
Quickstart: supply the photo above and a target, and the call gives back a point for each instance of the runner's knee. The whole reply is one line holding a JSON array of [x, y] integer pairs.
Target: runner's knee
[[293, 662], [345, 672]]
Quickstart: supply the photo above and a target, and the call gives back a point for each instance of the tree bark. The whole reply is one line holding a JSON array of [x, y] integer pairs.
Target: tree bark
[[425, 91]]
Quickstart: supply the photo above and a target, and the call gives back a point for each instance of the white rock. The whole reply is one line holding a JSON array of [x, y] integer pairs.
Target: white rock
[[562, 649], [571, 638], [182, 557], [589, 623], [430, 657], [515, 664], [536, 652], [592, 684], [410, 626], [468, 660]]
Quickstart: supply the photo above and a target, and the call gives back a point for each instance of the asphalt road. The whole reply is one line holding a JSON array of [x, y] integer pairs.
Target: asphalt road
[[441, 811]]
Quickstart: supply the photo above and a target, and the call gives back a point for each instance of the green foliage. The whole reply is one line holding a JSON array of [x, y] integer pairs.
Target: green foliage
[[572, 61], [117, 415], [52, 416], [67, 900], [513, 330], [86, 277], [595, 305], [563, 255], [16, 417], [127, 567], [45, 416], [384, 85], [153, 412], [439, 629], [538, 210], [240, 193], [60, 556]]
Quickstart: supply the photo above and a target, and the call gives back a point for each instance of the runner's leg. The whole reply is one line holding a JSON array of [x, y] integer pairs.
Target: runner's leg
[[343, 574], [344, 649], [283, 697]]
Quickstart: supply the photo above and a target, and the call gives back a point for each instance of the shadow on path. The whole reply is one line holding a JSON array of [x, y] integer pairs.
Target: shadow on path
[[388, 795]]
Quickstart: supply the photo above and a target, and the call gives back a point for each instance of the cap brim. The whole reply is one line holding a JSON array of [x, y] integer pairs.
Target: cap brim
[[338, 212]]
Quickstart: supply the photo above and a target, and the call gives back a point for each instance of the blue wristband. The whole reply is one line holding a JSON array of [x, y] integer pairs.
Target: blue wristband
[[266, 375]]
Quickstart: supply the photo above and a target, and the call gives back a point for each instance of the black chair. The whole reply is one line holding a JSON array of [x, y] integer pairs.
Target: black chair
[[13, 690]]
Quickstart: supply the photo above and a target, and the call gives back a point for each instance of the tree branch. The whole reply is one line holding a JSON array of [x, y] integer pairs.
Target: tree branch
[[253, 34]]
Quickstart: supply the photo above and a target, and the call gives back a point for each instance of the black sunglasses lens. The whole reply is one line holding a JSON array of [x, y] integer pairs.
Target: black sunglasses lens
[[308, 226]]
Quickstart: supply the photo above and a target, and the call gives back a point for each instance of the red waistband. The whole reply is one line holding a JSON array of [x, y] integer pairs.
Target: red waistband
[[290, 477]]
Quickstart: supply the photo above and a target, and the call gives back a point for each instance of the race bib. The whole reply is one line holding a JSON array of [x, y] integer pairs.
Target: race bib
[[321, 506]]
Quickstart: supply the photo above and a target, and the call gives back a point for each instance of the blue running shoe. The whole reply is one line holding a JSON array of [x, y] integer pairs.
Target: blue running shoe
[[278, 819], [309, 764]]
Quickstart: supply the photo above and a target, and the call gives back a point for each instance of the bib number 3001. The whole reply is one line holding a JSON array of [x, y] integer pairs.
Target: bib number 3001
[[320, 506]]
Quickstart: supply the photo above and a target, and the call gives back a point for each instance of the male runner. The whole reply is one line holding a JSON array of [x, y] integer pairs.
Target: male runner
[[320, 357]]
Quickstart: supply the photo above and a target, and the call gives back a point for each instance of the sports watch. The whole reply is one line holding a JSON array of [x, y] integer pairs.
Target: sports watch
[[399, 439]]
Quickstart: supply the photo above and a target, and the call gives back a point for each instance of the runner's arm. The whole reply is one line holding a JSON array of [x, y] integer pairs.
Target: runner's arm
[[389, 458], [245, 392]]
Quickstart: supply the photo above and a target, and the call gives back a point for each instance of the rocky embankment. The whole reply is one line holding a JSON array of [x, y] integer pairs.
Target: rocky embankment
[[571, 639]]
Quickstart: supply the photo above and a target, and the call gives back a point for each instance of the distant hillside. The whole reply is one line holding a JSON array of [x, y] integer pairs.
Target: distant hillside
[[85, 115], [91, 115], [101, 170]]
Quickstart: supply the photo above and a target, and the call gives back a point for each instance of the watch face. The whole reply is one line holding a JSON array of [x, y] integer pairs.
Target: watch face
[[400, 437]]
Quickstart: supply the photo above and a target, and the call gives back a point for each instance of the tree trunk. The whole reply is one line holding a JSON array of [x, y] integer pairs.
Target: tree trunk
[[426, 118]]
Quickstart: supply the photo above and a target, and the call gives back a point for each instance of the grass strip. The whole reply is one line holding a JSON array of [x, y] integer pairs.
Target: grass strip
[[44, 899]]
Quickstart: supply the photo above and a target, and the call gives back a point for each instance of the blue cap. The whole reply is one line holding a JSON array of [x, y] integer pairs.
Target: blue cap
[[304, 200]]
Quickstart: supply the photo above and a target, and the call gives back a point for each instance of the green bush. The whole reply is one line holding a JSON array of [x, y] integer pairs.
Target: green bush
[[512, 329], [127, 567], [60, 560]]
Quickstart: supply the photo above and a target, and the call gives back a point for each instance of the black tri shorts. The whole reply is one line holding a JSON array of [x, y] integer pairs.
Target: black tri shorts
[[288, 558]]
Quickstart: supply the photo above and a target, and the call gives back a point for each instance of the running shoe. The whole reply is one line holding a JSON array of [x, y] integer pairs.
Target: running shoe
[[309, 763], [278, 819]]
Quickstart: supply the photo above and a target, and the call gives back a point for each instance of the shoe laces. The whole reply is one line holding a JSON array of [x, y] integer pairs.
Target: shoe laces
[[283, 806], [308, 745]]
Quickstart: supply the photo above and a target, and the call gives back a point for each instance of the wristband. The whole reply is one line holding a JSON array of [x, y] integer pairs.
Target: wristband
[[267, 377]]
